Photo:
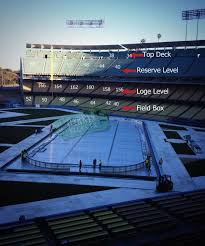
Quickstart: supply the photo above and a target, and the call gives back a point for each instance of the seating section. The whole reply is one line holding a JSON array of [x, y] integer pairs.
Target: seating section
[[145, 216], [118, 106], [164, 220], [189, 207], [26, 235], [67, 63], [109, 89], [182, 93], [112, 222], [77, 228], [33, 65]]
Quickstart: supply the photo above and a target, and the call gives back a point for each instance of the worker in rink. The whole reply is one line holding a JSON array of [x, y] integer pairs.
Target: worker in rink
[[80, 165], [160, 161], [51, 130], [148, 163], [94, 163], [100, 165], [24, 154]]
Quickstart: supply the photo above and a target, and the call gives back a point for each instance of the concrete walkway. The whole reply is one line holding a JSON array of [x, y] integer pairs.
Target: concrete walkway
[[172, 165], [73, 203], [79, 180]]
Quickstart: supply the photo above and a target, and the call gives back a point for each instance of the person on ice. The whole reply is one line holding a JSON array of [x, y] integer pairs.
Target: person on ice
[[100, 165], [94, 163], [148, 164], [80, 165], [24, 154], [160, 161], [51, 130]]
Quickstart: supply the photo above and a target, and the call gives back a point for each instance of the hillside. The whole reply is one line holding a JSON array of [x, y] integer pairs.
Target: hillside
[[8, 77]]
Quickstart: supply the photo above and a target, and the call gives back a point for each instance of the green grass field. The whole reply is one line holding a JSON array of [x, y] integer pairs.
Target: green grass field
[[169, 127], [43, 123], [196, 168], [15, 134], [182, 148], [34, 114], [21, 192], [172, 135], [3, 148]]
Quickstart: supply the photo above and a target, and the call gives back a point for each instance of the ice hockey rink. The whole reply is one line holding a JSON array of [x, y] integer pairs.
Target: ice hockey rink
[[120, 143]]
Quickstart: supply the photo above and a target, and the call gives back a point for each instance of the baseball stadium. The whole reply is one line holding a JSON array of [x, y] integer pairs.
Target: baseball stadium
[[102, 137]]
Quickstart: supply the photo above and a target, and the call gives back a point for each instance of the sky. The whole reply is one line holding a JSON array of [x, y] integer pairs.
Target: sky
[[126, 21]]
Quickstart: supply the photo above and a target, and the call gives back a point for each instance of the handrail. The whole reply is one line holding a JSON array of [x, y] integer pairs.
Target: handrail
[[155, 158], [103, 169]]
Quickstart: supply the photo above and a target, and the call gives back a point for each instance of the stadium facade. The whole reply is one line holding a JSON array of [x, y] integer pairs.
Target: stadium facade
[[126, 103], [119, 79]]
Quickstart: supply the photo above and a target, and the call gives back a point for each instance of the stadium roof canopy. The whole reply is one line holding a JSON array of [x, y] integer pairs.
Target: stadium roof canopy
[[174, 44]]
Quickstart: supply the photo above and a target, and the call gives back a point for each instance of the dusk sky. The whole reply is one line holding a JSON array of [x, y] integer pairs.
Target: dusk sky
[[126, 21]]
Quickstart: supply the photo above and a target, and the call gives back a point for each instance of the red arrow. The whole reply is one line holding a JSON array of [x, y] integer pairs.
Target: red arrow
[[127, 70], [129, 92], [135, 55], [128, 108]]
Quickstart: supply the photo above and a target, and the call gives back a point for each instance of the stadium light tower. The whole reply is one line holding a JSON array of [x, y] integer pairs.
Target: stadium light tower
[[51, 67], [159, 36], [194, 14]]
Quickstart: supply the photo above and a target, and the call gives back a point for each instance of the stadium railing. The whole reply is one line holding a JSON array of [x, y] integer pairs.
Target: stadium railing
[[103, 169], [122, 169]]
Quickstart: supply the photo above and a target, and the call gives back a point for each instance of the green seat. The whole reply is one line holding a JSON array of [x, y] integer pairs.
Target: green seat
[[89, 236], [25, 227], [198, 213], [67, 219], [109, 221], [21, 239], [158, 226], [162, 222], [101, 213], [69, 224], [146, 210], [127, 205], [195, 193], [37, 242], [19, 234], [117, 224], [167, 198], [143, 215], [136, 207], [124, 228], [76, 228], [190, 211], [198, 198], [78, 233], [185, 207], [154, 217], [109, 216], [173, 201]]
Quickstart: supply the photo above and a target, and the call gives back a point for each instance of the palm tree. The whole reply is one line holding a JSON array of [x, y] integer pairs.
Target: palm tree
[[159, 36], [142, 41]]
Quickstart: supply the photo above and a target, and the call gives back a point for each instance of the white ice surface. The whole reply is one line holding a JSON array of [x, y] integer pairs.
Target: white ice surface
[[118, 145]]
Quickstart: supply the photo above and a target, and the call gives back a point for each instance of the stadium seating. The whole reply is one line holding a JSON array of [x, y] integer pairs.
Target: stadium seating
[[110, 63], [95, 79], [116, 106], [26, 234], [176, 219]]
